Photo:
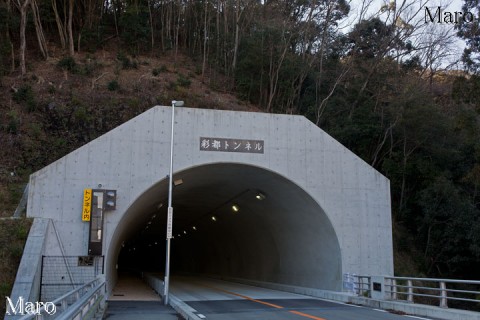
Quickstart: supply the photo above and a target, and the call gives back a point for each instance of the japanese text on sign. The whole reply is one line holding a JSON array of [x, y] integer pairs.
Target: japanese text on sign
[[169, 222], [231, 145], [87, 204]]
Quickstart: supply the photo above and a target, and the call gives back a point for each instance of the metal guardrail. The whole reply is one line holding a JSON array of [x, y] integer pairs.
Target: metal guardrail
[[442, 290], [363, 285], [80, 303], [359, 285], [460, 294]]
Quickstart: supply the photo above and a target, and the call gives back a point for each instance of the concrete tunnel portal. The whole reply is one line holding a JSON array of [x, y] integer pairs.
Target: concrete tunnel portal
[[323, 212], [231, 220]]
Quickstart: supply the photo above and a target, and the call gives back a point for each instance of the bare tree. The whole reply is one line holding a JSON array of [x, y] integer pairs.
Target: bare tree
[[42, 43], [152, 32], [240, 10], [177, 20], [402, 20], [436, 48], [60, 25], [71, 48], [23, 8], [327, 12], [205, 37], [8, 6]]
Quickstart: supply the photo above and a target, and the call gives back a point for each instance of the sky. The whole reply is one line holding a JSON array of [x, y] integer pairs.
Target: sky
[[456, 48]]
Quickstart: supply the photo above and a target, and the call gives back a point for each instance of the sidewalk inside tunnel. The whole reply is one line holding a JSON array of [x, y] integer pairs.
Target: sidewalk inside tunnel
[[132, 298]]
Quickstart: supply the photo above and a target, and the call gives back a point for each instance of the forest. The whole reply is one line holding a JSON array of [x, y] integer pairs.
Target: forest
[[401, 93]]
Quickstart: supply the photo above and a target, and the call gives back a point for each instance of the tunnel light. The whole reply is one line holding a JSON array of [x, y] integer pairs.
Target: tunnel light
[[260, 196], [184, 232], [235, 208], [214, 218], [178, 103], [110, 199], [160, 205], [194, 228], [156, 242], [154, 216], [149, 222]]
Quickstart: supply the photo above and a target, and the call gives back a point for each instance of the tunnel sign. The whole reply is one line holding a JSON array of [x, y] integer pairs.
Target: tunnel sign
[[231, 145], [169, 222], [87, 204]]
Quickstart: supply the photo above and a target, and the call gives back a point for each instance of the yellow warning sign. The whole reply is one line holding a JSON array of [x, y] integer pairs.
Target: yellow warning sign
[[87, 204]]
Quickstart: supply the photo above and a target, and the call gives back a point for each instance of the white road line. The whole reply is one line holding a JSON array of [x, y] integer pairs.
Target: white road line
[[415, 317], [201, 316], [380, 310], [353, 305]]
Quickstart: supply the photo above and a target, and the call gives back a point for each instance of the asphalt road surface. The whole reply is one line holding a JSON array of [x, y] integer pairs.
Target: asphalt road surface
[[220, 300]]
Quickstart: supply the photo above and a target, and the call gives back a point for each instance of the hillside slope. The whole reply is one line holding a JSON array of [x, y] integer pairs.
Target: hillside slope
[[63, 103]]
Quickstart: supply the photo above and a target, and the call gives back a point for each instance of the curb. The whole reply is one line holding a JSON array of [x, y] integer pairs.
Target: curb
[[187, 312]]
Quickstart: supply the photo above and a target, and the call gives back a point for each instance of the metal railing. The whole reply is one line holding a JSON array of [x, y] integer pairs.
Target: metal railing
[[80, 303], [61, 274], [459, 294], [362, 285]]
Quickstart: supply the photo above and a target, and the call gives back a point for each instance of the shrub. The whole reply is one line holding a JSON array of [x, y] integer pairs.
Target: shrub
[[67, 63], [182, 81], [24, 95], [126, 62], [157, 71], [13, 122], [113, 85]]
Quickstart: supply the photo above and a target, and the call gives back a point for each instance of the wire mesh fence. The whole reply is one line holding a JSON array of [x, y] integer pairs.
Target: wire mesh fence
[[61, 274]]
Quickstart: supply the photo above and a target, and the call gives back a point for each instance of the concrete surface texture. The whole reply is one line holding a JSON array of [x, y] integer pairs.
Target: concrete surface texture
[[323, 211], [144, 310]]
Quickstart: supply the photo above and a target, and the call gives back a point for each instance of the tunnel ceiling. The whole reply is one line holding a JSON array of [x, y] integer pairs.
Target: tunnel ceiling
[[212, 190]]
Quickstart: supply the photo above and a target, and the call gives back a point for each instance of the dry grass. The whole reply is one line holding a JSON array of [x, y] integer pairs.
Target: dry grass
[[13, 234]]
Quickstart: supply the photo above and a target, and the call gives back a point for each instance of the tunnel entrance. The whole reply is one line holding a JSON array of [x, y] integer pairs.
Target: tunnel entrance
[[232, 220]]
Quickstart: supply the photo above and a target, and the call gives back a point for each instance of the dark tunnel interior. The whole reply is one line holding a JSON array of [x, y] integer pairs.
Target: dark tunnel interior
[[231, 220]]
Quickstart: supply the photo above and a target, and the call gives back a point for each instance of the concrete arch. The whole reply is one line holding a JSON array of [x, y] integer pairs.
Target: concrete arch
[[285, 237]]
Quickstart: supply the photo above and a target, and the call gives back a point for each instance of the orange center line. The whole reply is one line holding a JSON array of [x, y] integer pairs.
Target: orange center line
[[306, 315], [244, 297]]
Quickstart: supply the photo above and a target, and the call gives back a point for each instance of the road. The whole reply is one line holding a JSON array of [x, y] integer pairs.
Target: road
[[220, 300]]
